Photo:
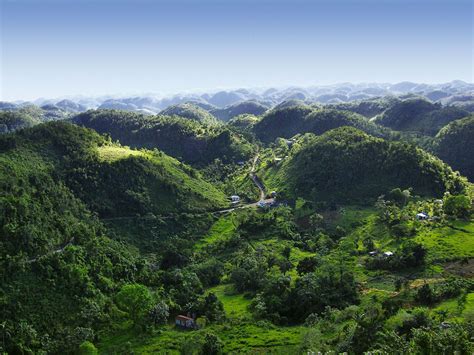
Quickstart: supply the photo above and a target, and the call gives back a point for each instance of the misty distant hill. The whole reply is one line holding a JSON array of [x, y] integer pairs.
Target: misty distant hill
[[226, 104]]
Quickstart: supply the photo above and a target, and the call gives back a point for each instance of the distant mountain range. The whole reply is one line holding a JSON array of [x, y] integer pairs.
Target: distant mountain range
[[458, 93]]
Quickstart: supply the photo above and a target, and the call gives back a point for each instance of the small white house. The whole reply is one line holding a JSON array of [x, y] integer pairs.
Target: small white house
[[388, 254], [235, 199], [373, 253], [421, 216]]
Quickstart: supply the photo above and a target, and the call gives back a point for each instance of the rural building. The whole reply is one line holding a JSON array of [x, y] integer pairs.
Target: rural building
[[185, 322], [373, 253], [421, 216], [235, 199], [388, 254]]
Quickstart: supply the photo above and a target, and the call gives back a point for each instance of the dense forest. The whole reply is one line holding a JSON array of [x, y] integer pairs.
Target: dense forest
[[329, 166], [420, 115], [454, 144], [239, 222], [198, 143], [289, 121]]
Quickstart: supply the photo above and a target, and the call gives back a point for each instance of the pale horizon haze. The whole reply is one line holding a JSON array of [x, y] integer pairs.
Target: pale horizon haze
[[74, 47]]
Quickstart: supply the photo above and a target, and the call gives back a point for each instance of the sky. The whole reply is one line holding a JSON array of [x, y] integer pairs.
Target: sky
[[54, 48]]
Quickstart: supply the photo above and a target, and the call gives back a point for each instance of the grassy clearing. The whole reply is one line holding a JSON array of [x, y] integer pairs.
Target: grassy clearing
[[221, 230], [468, 311], [448, 243], [235, 304], [264, 338], [454, 310], [351, 217], [244, 337], [111, 153]]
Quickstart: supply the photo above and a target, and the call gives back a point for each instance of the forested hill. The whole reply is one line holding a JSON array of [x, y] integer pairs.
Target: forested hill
[[419, 115], [57, 266], [191, 111], [288, 121], [241, 108], [13, 118], [187, 140], [346, 165], [455, 145], [110, 179]]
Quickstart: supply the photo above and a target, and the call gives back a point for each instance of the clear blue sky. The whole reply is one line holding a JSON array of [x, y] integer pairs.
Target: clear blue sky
[[55, 48]]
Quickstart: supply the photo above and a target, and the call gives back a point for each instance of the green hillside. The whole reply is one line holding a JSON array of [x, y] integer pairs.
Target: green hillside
[[28, 116], [368, 108], [241, 108], [346, 164], [292, 120], [58, 269], [419, 115], [10, 121], [454, 144], [103, 246], [110, 179], [188, 140], [190, 111]]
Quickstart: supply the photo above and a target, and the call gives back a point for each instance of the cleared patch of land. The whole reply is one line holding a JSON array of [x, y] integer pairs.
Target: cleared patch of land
[[112, 153]]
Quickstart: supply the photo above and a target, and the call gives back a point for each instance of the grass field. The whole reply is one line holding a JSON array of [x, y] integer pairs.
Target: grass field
[[112, 153], [242, 338], [235, 304], [454, 310], [221, 230], [449, 243]]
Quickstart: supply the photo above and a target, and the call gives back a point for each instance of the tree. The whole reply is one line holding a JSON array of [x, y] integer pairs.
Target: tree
[[87, 348], [455, 340], [316, 221], [159, 313], [425, 295], [368, 244], [212, 307], [135, 299], [399, 197], [308, 264], [210, 272], [212, 345], [457, 206], [330, 285]]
